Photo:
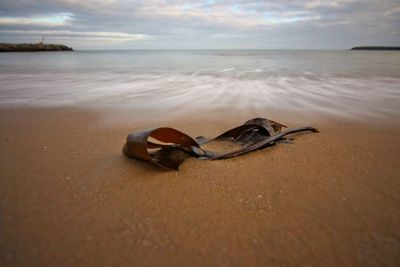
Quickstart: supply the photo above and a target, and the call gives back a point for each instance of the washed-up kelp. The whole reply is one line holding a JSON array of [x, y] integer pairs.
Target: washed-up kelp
[[168, 147]]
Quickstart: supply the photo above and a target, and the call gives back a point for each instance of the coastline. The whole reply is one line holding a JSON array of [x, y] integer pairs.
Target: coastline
[[40, 47], [388, 48], [68, 193]]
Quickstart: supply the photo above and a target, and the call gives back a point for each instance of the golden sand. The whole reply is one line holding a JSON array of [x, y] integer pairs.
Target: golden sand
[[68, 197]]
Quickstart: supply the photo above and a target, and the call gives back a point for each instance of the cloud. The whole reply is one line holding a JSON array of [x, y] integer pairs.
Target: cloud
[[205, 24], [88, 35], [45, 21]]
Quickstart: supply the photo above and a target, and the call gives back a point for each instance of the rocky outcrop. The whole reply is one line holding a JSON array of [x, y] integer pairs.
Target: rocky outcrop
[[5, 47], [376, 48]]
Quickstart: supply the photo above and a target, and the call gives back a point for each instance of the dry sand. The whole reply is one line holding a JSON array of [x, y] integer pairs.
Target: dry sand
[[69, 198]]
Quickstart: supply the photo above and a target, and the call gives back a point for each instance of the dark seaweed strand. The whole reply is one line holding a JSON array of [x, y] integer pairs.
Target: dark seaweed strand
[[263, 143]]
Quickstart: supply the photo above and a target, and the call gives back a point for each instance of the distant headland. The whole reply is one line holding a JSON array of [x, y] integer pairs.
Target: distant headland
[[376, 48], [6, 47]]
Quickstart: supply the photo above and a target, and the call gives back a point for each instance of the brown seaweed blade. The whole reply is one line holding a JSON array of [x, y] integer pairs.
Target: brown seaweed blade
[[169, 156], [264, 127], [263, 143], [176, 146]]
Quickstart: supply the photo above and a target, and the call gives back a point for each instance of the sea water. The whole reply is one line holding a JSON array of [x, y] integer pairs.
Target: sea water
[[340, 82]]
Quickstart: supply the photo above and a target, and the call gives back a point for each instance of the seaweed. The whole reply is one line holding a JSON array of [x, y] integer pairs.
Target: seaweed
[[168, 147]]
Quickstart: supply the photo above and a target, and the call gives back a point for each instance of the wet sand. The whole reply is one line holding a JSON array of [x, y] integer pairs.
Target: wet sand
[[68, 197]]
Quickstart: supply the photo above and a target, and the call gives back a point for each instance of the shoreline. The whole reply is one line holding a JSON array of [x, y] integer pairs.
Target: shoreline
[[68, 193]]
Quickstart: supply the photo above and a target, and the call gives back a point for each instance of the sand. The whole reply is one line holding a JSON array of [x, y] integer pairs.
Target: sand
[[68, 197]]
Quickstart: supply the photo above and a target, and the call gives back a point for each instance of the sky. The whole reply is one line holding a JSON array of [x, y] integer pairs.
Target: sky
[[207, 24]]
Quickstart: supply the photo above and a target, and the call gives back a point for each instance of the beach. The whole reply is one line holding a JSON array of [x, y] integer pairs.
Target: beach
[[69, 196]]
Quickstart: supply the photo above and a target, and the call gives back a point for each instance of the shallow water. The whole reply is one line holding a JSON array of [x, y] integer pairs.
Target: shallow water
[[365, 83]]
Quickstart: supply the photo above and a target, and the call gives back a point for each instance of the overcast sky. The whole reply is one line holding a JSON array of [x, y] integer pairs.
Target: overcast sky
[[208, 24]]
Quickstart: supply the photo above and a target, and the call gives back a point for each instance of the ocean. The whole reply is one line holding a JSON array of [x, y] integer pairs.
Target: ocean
[[365, 83]]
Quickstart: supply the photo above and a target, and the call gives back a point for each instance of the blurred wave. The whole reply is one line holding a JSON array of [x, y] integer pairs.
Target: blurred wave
[[325, 81]]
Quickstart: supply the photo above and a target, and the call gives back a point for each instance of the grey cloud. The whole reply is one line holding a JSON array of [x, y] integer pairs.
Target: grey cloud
[[218, 24]]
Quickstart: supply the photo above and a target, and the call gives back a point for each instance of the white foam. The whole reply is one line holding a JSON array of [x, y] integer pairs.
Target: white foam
[[178, 90], [258, 80]]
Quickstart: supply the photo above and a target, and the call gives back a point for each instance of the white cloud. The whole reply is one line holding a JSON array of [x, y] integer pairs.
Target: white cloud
[[115, 36], [44, 20]]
